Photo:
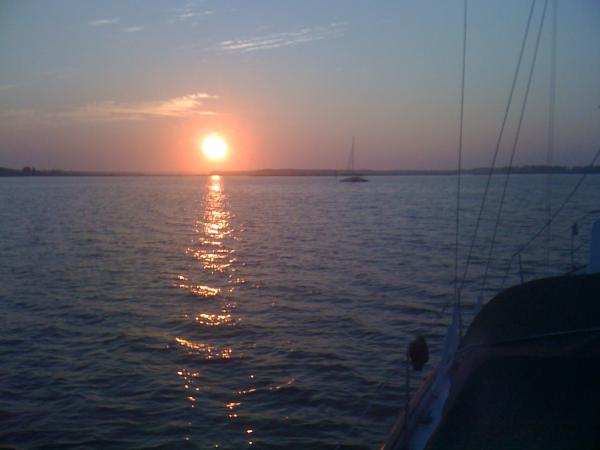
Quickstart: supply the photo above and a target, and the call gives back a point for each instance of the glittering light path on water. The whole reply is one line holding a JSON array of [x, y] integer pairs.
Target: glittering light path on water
[[214, 266]]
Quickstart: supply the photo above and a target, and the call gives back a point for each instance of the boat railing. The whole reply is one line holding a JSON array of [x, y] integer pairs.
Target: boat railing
[[574, 248]]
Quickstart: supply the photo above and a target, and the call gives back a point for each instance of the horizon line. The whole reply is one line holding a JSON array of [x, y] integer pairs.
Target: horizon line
[[525, 169]]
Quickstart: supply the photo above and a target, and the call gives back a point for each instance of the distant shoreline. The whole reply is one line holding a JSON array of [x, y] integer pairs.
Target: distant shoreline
[[521, 170]]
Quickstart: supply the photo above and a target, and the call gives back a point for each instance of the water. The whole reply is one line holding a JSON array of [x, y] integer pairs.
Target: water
[[194, 312]]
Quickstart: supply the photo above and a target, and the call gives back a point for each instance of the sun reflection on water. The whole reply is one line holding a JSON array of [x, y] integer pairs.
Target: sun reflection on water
[[206, 351], [212, 277], [214, 227], [214, 320], [198, 289]]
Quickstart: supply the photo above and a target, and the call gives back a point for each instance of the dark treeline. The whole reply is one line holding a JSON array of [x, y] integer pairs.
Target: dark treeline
[[32, 171], [477, 171]]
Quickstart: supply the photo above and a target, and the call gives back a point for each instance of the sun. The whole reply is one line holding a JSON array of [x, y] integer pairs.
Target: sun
[[214, 147]]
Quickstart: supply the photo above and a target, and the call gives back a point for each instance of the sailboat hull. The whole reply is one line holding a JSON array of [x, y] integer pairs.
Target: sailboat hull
[[354, 179], [525, 375]]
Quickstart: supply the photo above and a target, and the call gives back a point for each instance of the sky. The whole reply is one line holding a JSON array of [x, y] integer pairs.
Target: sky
[[134, 85]]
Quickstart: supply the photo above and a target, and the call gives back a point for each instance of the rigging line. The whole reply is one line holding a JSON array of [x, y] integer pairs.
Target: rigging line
[[595, 211], [499, 139], [497, 147], [551, 121], [460, 151], [510, 261], [514, 147], [560, 208]]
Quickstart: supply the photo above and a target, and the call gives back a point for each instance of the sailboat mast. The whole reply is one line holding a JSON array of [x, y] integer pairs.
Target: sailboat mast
[[352, 157], [351, 172]]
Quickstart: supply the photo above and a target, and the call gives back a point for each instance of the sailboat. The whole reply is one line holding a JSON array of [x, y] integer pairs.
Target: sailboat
[[525, 373], [354, 177]]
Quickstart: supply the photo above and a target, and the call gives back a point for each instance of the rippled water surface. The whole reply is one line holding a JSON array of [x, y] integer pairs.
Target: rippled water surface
[[195, 312]]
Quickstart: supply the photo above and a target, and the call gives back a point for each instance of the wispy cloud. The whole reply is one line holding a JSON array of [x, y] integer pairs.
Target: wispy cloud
[[189, 15], [102, 22], [190, 12], [132, 29], [111, 111], [184, 106], [284, 39]]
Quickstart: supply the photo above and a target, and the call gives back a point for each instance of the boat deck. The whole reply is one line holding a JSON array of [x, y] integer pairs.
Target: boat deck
[[528, 370]]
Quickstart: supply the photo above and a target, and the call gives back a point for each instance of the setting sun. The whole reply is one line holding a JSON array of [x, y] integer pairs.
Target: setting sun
[[214, 147]]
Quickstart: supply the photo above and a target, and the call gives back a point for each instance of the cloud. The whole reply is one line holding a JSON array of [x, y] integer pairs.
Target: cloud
[[184, 106], [132, 29], [189, 15], [102, 22], [111, 111], [285, 39], [6, 87], [189, 12]]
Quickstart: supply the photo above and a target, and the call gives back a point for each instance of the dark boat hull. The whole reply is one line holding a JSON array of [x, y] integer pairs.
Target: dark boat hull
[[525, 375], [354, 179]]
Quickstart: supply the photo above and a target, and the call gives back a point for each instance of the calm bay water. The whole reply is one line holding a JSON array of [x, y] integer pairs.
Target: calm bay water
[[195, 312]]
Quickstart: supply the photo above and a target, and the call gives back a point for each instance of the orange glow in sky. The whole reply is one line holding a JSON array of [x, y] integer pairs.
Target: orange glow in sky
[[214, 147], [220, 104]]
